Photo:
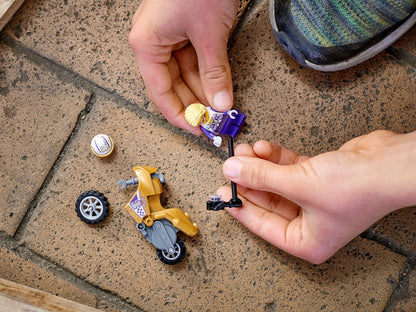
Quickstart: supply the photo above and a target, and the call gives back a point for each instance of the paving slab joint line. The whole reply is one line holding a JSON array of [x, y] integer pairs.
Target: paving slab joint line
[[103, 296], [398, 53], [66, 75], [83, 83], [60, 71], [18, 235], [402, 287], [402, 290], [244, 18], [402, 56], [382, 240]]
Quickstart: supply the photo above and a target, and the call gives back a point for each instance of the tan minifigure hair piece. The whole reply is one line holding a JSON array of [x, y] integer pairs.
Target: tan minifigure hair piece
[[194, 114]]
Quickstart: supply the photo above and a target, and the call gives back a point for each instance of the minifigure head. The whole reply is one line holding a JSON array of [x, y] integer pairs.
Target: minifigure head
[[194, 114]]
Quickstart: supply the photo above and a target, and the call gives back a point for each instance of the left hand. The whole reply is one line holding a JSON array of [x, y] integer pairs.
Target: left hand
[[181, 50]]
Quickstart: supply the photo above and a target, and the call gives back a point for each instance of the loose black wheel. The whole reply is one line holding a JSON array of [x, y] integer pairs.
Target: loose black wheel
[[174, 255], [92, 207]]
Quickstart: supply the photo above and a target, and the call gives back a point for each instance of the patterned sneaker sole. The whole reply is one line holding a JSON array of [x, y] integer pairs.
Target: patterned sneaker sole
[[294, 52]]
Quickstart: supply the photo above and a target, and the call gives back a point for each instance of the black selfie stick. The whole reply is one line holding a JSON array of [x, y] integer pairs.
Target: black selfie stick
[[234, 202]]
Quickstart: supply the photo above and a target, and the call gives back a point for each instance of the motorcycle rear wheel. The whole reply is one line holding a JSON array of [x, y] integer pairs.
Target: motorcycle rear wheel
[[173, 256]]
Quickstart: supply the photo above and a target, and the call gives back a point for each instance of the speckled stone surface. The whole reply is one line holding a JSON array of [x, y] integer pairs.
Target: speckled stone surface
[[37, 115], [126, 260], [399, 227], [406, 297], [87, 37], [408, 43], [312, 112], [19, 270], [309, 111], [82, 60], [19, 265]]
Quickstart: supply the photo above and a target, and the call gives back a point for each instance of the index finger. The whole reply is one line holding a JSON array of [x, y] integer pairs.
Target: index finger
[[159, 85], [262, 222], [263, 175]]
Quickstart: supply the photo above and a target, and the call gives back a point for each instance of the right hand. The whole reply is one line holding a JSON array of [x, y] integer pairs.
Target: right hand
[[181, 50], [313, 206]]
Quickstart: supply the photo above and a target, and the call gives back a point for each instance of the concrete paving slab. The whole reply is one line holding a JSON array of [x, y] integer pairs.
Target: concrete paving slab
[[309, 111], [399, 228], [138, 142], [20, 265], [408, 42], [83, 36], [226, 267], [38, 113], [406, 299], [312, 112], [19, 270]]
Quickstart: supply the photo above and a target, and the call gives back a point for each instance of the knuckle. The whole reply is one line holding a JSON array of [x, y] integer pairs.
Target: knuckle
[[376, 140], [379, 136], [258, 177], [135, 39], [217, 73], [369, 142]]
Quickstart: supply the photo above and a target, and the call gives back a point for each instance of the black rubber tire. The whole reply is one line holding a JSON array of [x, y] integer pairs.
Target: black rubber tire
[[92, 207], [178, 255]]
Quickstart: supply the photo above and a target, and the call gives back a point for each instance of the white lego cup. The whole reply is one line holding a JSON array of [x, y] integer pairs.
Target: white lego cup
[[102, 146]]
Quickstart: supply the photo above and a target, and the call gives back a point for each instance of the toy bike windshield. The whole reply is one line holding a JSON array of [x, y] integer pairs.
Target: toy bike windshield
[[158, 224]]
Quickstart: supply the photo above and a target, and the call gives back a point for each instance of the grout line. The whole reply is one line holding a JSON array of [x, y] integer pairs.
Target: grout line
[[83, 83], [103, 296], [402, 288], [15, 243], [402, 56], [372, 235], [243, 19], [34, 202], [61, 72]]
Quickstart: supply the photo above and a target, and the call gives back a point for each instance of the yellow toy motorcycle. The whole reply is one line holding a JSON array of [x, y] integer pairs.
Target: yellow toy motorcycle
[[157, 224]]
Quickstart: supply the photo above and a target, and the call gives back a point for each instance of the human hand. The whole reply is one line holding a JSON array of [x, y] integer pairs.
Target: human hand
[[312, 207], [181, 50]]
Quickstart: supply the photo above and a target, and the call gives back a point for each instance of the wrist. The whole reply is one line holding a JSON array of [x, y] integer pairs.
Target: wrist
[[395, 172]]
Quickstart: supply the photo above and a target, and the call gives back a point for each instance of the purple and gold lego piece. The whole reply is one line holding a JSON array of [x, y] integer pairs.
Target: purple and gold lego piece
[[214, 123]]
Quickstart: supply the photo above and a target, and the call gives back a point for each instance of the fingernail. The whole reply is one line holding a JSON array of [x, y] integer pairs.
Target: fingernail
[[232, 168], [223, 101]]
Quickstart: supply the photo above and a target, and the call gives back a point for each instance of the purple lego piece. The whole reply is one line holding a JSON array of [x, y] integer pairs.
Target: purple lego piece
[[223, 123]]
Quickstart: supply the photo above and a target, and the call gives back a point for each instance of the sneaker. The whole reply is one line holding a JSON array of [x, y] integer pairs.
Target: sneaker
[[330, 35]]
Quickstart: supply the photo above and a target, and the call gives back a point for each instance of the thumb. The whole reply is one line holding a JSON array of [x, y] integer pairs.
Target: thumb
[[289, 181], [215, 72]]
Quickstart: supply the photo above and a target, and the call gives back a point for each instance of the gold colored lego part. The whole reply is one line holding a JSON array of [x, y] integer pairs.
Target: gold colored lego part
[[151, 189]]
